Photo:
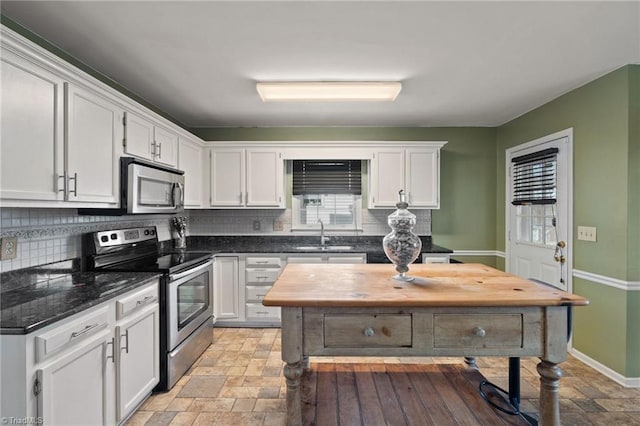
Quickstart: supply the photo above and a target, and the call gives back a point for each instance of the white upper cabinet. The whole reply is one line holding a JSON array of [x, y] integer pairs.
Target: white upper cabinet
[[251, 178], [190, 161], [93, 133], [144, 139], [32, 130], [415, 170]]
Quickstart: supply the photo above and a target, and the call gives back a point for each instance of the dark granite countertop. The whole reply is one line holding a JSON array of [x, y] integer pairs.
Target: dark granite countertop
[[32, 299], [370, 245]]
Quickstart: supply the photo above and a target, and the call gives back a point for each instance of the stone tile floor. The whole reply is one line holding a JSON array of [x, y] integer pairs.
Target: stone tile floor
[[238, 381]]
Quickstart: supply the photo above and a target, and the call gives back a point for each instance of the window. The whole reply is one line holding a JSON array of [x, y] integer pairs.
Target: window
[[534, 195], [330, 190]]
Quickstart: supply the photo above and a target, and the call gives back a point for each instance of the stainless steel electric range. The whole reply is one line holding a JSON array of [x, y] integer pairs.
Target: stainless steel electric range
[[186, 291]]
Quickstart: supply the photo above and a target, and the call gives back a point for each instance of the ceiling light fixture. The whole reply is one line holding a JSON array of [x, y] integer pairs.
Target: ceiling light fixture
[[329, 91]]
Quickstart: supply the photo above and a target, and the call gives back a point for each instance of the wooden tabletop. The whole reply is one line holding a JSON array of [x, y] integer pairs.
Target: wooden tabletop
[[372, 285]]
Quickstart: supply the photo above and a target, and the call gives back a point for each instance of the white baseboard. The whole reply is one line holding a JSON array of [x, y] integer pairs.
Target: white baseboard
[[627, 382]]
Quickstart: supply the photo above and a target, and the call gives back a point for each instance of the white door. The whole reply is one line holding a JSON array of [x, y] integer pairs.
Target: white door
[[138, 137], [538, 234], [265, 178], [93, 131], [77, 388], [138, 368], [422, 173], [31, 131], [387, 177], [227, 178], [226, 284]]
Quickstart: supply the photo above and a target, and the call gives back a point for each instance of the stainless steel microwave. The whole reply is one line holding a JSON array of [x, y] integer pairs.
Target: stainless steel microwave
[[146, 188]]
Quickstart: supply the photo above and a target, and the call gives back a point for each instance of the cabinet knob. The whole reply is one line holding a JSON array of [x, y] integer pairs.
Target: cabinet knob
[[479, 331], [368, 332]]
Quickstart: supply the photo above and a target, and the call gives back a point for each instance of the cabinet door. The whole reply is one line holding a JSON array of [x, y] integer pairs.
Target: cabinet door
[[190, 161], [265, 178], [77, 389], [226, 284], [387, 177], [138, 369], [166, 147], [422, 178], [31, 131], [138, 137], [227, 177], [93, 131]]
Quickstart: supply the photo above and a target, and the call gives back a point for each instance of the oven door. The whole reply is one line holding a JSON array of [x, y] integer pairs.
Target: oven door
[[189, 302]]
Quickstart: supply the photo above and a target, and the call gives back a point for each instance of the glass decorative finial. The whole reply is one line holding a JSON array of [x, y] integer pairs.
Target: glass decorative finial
[[401, 245]]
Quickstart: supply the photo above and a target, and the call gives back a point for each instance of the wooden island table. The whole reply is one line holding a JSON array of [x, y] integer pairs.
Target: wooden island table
[[465, 310]]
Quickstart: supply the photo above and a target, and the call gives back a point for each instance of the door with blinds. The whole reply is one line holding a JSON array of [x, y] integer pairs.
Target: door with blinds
[[538, 204]]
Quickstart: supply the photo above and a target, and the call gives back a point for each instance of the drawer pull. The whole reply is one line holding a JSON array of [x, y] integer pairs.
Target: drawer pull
[[368, 332], [126, 341], [143, 301], [479, 331], [112, 357], [85, 330], [262, 262]]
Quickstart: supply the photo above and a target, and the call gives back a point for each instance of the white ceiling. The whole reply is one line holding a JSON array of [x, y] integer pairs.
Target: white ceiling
[[461, 63]]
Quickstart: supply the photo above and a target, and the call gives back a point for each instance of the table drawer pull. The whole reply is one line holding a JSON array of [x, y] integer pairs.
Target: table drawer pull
[[369, 332], [479, 331]]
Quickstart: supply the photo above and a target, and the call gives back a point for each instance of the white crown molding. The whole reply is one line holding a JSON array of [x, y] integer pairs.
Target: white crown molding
[[608, 281], [496, 253], [627, 382]]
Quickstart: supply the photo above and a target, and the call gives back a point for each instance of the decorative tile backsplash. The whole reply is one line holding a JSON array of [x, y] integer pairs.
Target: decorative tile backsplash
[[52, 235]]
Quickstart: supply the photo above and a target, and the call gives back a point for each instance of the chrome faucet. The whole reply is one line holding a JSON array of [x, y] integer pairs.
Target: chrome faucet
[[323, 239]]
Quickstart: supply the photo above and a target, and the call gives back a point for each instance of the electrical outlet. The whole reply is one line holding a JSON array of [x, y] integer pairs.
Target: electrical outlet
[[256, 225], [277, 225], [9, 247], [587, 233]]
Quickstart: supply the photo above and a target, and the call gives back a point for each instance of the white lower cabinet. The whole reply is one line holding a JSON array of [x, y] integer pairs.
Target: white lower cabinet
[[138, 359], [77, 387], [226, 288], [436, 258], [93, 368]]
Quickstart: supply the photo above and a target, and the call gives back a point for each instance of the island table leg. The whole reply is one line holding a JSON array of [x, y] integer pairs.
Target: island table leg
[[550, 375], [292, 356]]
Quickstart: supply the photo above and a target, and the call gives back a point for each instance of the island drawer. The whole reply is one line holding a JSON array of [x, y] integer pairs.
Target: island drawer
[[367, 330], [478, 331]]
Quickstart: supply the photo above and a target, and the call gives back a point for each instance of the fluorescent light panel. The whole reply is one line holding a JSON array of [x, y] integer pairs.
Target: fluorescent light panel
[[330, 91]]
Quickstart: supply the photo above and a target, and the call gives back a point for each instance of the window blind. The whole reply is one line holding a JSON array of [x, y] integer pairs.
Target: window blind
[[534, 178], [327, 177]]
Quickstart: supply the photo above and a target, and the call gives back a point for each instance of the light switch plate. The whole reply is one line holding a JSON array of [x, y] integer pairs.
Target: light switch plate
[[9, 247], [587, 233]]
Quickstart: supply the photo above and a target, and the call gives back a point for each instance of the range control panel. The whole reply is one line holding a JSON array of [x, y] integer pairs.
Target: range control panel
[[125, 236]]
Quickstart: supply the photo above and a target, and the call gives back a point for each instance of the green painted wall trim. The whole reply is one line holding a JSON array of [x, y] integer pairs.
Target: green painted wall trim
[[28, 34], [633, 243]]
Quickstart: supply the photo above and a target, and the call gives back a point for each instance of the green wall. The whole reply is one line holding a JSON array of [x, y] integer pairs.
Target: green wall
[[466, 218], [604, 118]]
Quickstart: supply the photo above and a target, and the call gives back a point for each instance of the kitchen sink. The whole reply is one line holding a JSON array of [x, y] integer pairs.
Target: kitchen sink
[[324, 248]]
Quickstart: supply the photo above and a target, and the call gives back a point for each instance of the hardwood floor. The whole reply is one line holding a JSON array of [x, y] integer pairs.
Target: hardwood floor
[[238, 381]]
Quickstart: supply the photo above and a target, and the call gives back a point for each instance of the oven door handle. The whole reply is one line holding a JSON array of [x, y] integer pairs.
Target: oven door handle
[[175, 277]]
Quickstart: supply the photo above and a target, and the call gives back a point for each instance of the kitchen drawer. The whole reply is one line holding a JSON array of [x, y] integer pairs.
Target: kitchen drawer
[[305, 259], [477, 331], [367, 330], [262, 275], [77, 330], [255, 311], [356, 258], [140, 298], [262, 262], [256, 293]]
